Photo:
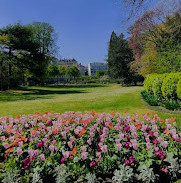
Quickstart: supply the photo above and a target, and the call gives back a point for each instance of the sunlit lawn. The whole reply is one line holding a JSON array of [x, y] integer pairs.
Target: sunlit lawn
[[101, 98]]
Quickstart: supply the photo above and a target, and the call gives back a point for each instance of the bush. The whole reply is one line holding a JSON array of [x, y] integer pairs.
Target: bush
[[72, 146], [179, 88], [150, 99], [157, 84], [172, 105], [148, 83], [169, 86]]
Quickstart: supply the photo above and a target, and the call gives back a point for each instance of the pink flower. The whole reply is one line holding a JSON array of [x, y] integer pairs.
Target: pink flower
[[119, 147], [155, 134], [3, 138], [63, 133], [54, 142], [5, 145], [164, 144], [89, 141], [31, 152], [117, 141], [92, 134], [19, 152], [52, 148], [104, 148], [83, 148], [20, 144], [72, 139], [70, 144], [42, 157], [121, 135], [148, 145], [84, 155], [165, 169], [66, 154], [36, 152], [134, 143]]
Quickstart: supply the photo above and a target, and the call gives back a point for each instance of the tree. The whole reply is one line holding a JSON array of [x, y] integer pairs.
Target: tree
[[100, 73], [119, 57], [52, 70], [62, 70], [45, 35], [73, 71]]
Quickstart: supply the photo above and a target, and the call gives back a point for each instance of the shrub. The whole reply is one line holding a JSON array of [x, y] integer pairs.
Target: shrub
[[157, 84], [179, 88], [172, 105], [72, 146], [169, 86], [150, 99], [148, 83]]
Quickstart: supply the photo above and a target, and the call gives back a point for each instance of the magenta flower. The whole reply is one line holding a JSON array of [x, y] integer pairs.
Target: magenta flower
[[39, 144], [93, 163], [62, 160]]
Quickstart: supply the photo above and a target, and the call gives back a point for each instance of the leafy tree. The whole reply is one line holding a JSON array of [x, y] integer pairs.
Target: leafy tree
[[73, 71], [52, 70], [100, 73], [62, 70]]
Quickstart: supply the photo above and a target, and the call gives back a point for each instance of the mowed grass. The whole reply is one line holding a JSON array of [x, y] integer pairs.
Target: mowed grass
[[101, 98]]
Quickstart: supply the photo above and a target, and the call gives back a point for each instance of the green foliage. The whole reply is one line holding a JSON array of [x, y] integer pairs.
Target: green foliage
[[52, 70], [119, 58], [72, 71], [148, 83], [100, 73], [150, 99], [62, 70], [179, 88], [169, 86], [157, 84]]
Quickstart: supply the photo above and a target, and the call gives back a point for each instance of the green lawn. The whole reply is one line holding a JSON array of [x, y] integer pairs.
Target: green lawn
[[101, 98]]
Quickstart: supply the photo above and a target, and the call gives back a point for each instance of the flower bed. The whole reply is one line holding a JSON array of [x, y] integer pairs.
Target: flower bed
[[86, 147]]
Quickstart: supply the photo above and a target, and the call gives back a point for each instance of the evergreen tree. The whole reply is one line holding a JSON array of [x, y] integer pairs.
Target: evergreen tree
[[119, 57]]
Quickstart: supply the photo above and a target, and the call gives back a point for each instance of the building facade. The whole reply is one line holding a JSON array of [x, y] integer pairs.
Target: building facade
[[96, 66]]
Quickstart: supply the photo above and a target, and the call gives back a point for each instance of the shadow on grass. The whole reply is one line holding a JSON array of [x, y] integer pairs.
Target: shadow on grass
[[34, 94], [78, 86]]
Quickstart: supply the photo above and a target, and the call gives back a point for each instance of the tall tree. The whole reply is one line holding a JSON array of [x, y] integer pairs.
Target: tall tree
[[119, 57]]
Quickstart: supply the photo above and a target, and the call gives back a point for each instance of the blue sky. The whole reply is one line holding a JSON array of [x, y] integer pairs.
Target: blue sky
[[83, 26]]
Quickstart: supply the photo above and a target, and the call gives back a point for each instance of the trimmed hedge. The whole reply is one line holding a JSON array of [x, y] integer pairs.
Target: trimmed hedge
[[164, 86], [179, 88], [169, 86]]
